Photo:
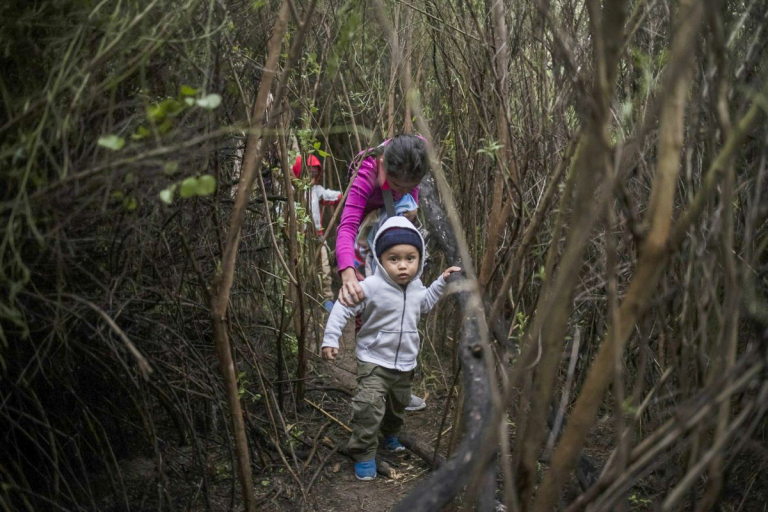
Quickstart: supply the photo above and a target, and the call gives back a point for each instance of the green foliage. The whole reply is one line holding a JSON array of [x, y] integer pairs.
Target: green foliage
[[171, 168], [639, 501], [166, 195], [188, 91], [113, 142], [209, 102], [490, 148], [191, 187], [161, 111], [316, 147], [350, 16]]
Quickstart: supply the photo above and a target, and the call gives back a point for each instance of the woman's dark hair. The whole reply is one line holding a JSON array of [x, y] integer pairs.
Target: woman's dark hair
[[405, 157]]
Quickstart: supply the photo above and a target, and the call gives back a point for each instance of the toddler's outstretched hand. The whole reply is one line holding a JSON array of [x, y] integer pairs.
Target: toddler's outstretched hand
[[450, 270], [330, 353]]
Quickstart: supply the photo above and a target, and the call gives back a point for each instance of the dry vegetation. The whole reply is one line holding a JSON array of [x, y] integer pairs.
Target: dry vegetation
[[599, 169]]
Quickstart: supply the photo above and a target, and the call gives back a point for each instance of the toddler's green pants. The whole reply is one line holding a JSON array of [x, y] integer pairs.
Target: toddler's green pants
[[379, 404]]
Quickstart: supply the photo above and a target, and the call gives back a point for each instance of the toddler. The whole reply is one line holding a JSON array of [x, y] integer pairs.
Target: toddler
[[388, 340]]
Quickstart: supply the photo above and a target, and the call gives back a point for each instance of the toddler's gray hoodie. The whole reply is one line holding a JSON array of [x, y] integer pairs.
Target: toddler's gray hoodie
[[389, 336]]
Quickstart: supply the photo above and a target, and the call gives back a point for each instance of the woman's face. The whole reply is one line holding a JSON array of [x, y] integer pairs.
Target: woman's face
[[398, 185]]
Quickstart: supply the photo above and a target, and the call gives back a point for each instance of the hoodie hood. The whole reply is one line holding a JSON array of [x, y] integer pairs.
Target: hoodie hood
[[398, 222]]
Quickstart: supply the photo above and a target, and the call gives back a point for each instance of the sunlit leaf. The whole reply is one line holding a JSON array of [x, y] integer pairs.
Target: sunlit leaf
[[210, 102], [188, 187], [188, 91], [113, 142], [206, 184], [166, 196]]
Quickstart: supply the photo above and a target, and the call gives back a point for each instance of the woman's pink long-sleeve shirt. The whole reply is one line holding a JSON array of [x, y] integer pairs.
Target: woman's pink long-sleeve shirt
[[365, 195]]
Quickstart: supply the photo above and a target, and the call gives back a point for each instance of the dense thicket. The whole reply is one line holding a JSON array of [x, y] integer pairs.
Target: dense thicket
[[602, 163]]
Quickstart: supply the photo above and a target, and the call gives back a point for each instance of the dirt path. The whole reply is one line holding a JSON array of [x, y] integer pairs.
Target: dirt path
[[336, 487]]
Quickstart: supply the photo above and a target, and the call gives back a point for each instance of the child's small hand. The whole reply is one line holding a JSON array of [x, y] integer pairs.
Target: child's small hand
[[450, 270], [330, 353], [410, 215]]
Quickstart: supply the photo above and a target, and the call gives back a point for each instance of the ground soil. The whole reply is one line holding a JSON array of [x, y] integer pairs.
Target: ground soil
[[336, 487]]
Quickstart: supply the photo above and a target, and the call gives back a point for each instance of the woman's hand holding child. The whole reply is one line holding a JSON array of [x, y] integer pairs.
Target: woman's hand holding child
[[351, 293]]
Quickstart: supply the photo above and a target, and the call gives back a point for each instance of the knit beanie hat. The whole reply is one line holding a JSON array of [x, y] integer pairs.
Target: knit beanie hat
[[396, 236]]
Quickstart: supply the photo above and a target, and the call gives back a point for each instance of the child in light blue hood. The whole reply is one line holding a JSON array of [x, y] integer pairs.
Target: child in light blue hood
[[388, 341]]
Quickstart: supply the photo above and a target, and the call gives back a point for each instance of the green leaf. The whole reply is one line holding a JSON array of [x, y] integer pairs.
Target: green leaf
[[210, 102], [171, 168], [141, 132], [165, 126], [166, 195], [316, 145], [113, 142], [188, 91], [155, 113], [257, 5], [130, 203], [168, 107], [188, 187], [323, 153], [206, 184], [189, 101]]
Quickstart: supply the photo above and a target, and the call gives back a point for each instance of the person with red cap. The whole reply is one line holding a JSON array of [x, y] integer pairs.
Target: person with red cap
[[319, 196]]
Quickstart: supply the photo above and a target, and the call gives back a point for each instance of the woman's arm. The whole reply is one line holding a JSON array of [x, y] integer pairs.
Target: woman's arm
[[351, 218], [352, 214]]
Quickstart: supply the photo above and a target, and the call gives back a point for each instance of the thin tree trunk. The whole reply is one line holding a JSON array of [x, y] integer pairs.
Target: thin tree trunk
[[408, 53], [394, 62], [292, 231], [500, 209], [222, 285]]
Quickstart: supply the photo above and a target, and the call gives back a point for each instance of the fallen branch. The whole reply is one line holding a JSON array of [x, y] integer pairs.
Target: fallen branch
[[329, 415]]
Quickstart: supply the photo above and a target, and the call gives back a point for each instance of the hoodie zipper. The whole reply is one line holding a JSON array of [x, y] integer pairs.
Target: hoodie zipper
[[402, 317]]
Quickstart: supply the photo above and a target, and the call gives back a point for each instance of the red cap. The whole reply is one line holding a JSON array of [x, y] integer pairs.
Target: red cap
[[313, 162]]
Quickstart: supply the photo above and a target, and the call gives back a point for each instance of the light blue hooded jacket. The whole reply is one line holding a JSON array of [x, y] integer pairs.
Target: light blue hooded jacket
[[389, 336]]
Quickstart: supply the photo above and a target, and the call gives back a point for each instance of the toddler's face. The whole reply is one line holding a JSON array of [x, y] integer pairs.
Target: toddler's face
[[401, 263]]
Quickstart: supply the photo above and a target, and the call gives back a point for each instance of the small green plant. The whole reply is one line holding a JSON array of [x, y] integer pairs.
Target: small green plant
[[639, 501], [490, 147]]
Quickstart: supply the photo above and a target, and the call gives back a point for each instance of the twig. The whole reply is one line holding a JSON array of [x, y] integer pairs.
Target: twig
[[328, 415]]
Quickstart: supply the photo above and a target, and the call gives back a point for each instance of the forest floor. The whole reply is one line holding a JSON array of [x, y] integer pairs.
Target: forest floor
[[336, 487]]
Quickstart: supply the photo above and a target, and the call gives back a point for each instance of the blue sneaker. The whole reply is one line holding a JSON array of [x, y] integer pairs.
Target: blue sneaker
[[328, 305], [365, 470], [392, 444]]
